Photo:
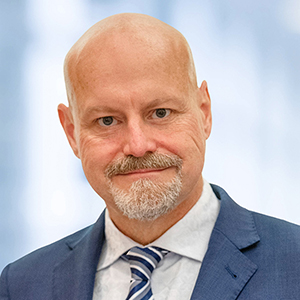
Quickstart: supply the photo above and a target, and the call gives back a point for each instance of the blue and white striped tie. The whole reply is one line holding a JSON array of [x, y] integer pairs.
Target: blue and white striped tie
[[142, 262]]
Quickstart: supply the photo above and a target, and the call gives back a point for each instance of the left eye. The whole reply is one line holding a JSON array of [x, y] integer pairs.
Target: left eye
[[107, 121], [161, 113]]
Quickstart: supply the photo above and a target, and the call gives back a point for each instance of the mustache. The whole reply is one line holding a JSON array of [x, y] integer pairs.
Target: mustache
[[148, 161]]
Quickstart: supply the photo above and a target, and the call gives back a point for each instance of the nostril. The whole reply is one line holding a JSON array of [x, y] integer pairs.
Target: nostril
[[138, 143]]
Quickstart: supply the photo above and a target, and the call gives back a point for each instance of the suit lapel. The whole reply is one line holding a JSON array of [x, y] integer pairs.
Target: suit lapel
[[74, 276], [224, 272], [225, 269]]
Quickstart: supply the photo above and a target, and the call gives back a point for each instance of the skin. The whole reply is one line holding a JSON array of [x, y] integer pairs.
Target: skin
[[127, 66]]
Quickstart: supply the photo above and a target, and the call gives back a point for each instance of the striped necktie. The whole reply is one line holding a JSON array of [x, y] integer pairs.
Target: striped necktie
[[142, 262]]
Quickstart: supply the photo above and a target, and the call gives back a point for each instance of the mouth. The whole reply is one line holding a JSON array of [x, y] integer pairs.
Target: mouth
[[151, 163], [125, 179], [142, 172]]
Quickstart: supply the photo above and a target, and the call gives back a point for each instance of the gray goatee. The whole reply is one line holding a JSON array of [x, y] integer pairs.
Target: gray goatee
[[146, 200]]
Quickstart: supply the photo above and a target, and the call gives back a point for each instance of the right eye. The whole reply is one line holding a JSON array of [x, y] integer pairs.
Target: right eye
[[107, 121]]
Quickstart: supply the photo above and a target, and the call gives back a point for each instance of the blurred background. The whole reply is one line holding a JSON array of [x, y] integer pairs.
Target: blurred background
[[249, 53]]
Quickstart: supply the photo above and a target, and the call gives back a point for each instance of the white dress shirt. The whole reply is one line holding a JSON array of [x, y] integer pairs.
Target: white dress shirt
[[176, 275]]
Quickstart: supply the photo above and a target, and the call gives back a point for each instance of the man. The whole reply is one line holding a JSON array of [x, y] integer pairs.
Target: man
[[138, 122]]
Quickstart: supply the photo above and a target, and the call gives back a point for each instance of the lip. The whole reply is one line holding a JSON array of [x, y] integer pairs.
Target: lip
[[143, 171]]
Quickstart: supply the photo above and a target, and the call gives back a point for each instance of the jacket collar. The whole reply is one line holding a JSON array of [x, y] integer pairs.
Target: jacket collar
[[74, 276], [224, 272], [235, 222], [225, 269]]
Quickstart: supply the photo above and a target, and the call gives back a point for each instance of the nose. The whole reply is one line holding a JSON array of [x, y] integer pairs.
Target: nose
[[139, 139]]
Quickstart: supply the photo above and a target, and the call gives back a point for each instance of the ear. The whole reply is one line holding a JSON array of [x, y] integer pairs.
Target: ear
[[205, 106], [67, 122]]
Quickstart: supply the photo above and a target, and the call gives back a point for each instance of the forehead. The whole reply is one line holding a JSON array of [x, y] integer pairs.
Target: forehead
[[140, 96], [128, 55], [124, 63]]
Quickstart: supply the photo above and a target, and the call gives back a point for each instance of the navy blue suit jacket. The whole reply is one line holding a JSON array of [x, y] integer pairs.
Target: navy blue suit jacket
[[250, 256]]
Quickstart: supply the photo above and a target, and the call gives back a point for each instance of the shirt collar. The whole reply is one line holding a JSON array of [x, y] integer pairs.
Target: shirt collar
[[193, 229]]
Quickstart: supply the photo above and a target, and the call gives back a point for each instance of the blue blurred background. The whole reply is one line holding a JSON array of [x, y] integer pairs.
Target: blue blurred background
[[249, 53]]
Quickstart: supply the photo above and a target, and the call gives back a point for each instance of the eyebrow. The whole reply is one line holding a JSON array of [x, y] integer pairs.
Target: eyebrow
[[157, 102], [161, 102], [98, 109], [154, 103]]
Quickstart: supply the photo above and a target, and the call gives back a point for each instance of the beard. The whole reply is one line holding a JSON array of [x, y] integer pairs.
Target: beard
[[146, 200]]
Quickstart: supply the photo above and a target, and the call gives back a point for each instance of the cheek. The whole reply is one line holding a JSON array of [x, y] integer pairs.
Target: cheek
[[185, 139], [188, 142], [95, 155]]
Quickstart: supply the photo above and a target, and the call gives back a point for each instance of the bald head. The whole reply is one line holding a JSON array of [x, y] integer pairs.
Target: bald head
[[132, 91], [131, 43]]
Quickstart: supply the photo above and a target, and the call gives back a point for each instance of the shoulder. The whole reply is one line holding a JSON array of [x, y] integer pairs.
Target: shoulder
[[278, 236], [270, 245], [72, 258], [239, 223], [275, 226], [51, 253], [35, 267]]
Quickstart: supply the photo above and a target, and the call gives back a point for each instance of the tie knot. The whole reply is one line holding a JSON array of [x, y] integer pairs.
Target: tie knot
[[142, 262], [145, 259]]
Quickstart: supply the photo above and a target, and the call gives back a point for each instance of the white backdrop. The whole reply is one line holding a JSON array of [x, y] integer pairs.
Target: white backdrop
[[248, 52]]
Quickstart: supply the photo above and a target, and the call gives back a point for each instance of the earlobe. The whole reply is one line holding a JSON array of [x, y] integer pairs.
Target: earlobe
[[67, 122], [205, 105]]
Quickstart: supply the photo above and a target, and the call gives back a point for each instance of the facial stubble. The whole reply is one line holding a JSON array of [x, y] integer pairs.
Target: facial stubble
[[146, 200]]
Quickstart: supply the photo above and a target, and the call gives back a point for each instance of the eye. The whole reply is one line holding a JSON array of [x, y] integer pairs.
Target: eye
[[161, 113], [107, 121]]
